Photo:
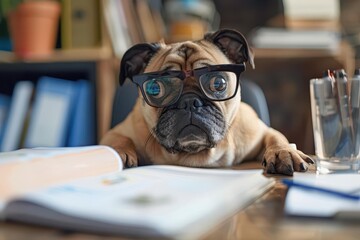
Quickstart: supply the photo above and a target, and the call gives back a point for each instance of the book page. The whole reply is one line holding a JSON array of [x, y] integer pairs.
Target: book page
[[26, 170]]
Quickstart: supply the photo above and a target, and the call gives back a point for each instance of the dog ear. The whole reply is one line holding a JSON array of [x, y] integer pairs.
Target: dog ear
[[135, 60], [233, 44]]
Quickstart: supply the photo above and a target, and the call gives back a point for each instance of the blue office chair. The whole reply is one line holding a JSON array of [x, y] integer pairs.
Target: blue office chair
[[126, 96]]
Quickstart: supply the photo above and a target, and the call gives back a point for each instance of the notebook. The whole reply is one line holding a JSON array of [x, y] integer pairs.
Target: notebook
[[326, 196]]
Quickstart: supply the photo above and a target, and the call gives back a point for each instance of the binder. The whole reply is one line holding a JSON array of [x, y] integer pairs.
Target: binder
[[51, 115], [19, 107], [82, 127], [4, 111], [115, 22], [80, 24]]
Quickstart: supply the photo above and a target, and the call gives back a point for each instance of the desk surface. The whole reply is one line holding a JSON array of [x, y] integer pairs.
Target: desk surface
[[263, 219]]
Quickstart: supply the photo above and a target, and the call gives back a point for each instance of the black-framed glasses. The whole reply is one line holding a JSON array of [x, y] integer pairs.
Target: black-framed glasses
[[164, 88]]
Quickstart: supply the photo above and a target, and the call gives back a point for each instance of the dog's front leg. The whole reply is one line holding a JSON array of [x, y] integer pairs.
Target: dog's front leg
[[280, 157], [123, 145]]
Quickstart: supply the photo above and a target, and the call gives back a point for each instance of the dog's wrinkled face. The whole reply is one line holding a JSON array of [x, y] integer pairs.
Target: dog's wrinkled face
[[193, 123]]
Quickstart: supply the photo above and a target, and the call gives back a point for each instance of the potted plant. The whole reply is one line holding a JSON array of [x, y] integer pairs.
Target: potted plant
[[32, 25]]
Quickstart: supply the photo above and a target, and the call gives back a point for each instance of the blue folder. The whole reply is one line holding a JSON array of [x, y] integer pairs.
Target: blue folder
[[4, 112], [82, 127], [51, 115], [17, 115]]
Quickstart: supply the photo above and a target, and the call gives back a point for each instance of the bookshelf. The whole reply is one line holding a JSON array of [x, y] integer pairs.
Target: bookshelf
[[60, 55], [95, 65]]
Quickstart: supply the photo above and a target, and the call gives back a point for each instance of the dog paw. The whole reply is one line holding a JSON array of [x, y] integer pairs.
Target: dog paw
[[129, 158], [284, 160]]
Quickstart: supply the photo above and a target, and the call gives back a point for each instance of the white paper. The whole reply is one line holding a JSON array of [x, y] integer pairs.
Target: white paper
[[302, 202], [28, 154]]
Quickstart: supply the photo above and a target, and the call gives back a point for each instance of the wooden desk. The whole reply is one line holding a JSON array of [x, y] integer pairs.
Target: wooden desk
[[263, 219]]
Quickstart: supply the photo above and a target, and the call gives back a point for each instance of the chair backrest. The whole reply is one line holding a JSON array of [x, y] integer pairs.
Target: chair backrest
[[252, 94], [126, 95]]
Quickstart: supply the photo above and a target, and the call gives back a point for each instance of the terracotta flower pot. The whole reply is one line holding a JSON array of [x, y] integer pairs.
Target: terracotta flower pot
[[33, 28]]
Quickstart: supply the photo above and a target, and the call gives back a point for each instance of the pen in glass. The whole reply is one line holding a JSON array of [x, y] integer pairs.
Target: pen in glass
[[346, 145], [355, 105], [325, 115]]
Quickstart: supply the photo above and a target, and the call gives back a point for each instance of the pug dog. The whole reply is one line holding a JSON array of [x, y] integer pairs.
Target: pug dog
[[189, 110]]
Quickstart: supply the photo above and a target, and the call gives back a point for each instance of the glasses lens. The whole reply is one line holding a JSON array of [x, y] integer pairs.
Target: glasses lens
[[162, 91], [219, 85]]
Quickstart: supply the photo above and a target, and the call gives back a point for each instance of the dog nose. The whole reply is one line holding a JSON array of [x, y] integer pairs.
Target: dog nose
[[190, 102]]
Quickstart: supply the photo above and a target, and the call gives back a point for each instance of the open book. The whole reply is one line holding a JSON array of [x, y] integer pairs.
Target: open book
[[151, 201]]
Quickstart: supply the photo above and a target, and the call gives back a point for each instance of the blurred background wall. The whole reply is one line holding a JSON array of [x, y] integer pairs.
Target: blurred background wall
[[92, 35]]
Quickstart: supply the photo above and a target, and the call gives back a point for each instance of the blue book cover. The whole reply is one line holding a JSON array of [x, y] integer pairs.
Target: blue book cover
[[50, 118], [4, 112], [82, 127], [18, 111]]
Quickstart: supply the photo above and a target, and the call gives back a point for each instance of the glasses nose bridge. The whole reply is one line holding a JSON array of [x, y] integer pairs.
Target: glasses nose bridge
[[188, 73], [189, 77]]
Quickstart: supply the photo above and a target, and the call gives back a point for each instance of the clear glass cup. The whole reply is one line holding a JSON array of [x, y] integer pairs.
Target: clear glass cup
[[333, 137]]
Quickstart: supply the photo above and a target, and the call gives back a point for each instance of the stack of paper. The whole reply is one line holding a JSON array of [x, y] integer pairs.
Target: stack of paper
[[334, 195], [301, 39], [312, 9]]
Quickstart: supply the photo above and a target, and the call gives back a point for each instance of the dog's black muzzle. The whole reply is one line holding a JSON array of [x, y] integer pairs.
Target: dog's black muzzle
[[190, 125]]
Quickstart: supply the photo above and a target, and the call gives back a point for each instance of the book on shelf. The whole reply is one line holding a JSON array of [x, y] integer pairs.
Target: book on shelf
[[116, 24], [147, 17], [61, 114], [82, 129], [312, 14], [80, 24], [312, 9], [51, 114], [18, 111], [282, 38], [132, 21], [4, 111], [147, 201]]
